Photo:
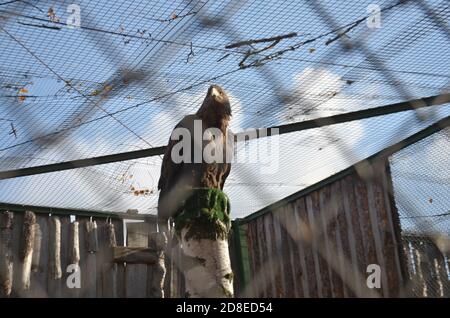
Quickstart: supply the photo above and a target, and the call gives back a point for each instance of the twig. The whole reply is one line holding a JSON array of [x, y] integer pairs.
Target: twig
[[344, 33], [272, 39], [254, 52], [8, 2], [175, 16], [41, 26], [190, 55], [223, 57]]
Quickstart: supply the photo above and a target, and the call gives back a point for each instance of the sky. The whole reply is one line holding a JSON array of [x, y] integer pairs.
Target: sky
[[135, 68]]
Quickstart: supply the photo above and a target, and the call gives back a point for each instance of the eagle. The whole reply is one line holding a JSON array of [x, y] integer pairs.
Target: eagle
[[177, 180]]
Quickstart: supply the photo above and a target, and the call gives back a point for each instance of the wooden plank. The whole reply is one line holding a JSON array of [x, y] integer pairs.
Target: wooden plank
[[54, 261], [39, 275], [354, 234], [6, 257], [135, 255], [361, 198], [263, 278], [344, 233], [322, 274], [281, 254], [287, 251], [378, 225], [311, 257], [120, 277], [327, 221], [299, 249], [253, 242], [249, 289], [136, 274], [270, 224]]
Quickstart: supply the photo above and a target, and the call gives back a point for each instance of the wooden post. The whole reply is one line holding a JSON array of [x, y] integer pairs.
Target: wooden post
[[110, 271], [168, 259], [39, 272], [74, 258], [26, 250], [157, 272], [203, 228], [54, 264], [90, 273], [6, 265]]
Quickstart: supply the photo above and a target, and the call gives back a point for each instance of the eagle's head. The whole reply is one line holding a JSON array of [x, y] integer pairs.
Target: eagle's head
[[217, 101]]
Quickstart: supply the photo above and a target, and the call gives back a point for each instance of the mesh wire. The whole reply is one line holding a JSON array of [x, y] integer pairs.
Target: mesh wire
[[133, 69]]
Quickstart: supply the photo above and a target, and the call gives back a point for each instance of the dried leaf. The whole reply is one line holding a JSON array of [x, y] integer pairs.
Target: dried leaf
[[52, 15], [107, 88], [311, 50]]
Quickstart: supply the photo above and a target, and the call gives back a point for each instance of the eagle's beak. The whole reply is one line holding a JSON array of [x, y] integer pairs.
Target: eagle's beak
[[215, 92]]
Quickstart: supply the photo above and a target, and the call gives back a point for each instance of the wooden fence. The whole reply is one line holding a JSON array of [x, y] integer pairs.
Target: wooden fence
[[320, 240], [39, 254]]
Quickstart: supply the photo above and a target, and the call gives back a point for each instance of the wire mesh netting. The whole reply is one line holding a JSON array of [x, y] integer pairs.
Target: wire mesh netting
[[420, 177], [123, 77]]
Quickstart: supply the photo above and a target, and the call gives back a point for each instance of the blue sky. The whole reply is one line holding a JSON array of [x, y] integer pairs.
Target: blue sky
[[143, 39]]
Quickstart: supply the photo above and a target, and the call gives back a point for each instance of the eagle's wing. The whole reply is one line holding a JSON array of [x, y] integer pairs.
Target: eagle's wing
[[170, 171], [229, 150], [168, 167]]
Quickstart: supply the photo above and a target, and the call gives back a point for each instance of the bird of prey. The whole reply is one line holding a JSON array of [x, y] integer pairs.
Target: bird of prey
[[178, 179]]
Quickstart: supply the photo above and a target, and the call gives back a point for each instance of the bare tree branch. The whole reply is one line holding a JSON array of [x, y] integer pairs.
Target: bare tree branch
[[272, 39]]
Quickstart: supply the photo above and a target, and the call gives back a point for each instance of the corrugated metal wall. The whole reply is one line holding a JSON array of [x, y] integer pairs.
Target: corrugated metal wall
[[319, 242]]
